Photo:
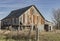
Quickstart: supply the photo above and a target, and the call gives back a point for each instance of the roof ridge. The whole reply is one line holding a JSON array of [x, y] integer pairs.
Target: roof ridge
[[24, 7]]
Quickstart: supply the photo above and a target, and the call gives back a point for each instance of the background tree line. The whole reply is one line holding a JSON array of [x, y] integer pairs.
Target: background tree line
[[56, 18]]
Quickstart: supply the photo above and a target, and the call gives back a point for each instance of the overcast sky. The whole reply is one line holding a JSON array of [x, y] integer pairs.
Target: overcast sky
[[44, 6]]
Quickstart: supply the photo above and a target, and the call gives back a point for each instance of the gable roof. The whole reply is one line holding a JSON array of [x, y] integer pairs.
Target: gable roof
[[19, 12]]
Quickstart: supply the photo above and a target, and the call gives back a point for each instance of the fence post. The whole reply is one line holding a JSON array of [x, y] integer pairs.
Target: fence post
[[37, 34]]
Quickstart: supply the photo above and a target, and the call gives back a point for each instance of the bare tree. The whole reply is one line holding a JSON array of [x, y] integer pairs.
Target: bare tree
[[56, 18]]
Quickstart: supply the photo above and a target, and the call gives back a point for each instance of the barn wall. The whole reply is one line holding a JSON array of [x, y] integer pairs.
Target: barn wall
[[36, 20], [41, 27], [39, 20], [28, 14], [51, 26]]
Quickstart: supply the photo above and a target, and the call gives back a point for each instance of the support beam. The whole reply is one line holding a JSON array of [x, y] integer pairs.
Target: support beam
[[19, 24], [22, 18], [0, 24], [26, 18], [10, 27], [19, 28], [32, 22], [37, 34]]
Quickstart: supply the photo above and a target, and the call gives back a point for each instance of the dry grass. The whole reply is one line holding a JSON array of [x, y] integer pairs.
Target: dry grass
[[19, 35], [15, 35], [50, 36]]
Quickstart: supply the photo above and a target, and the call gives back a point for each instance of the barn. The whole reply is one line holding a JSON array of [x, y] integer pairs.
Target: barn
[[24, 18]]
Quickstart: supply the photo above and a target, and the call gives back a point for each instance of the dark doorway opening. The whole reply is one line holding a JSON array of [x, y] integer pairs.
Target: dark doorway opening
[[46, 27]]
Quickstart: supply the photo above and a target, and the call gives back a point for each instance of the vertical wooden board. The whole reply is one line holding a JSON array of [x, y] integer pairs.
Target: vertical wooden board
[[23, 18], [34, 19]]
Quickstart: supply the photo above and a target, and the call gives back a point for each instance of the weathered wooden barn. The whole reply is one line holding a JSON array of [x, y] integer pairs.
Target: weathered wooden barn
[[24, 18]]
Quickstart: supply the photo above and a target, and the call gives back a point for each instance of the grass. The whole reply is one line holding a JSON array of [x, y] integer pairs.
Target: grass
[[50, 36], [43, 36]]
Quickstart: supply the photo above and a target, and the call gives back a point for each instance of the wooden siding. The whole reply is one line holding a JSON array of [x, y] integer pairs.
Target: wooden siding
[[37, 19], [10, 21], [29, 19], [42, 21], [34, 19], [32, 13], [23, 18]]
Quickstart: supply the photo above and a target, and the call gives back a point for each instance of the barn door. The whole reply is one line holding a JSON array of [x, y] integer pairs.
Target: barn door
[[46, 27]]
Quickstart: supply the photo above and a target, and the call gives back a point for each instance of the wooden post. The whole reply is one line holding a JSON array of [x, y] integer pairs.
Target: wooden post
[[10, 27], [38, 26], [29, 35], [19, 28], [37, 30], [38, 34], [32, 22], [19, 25], [0, 24]]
